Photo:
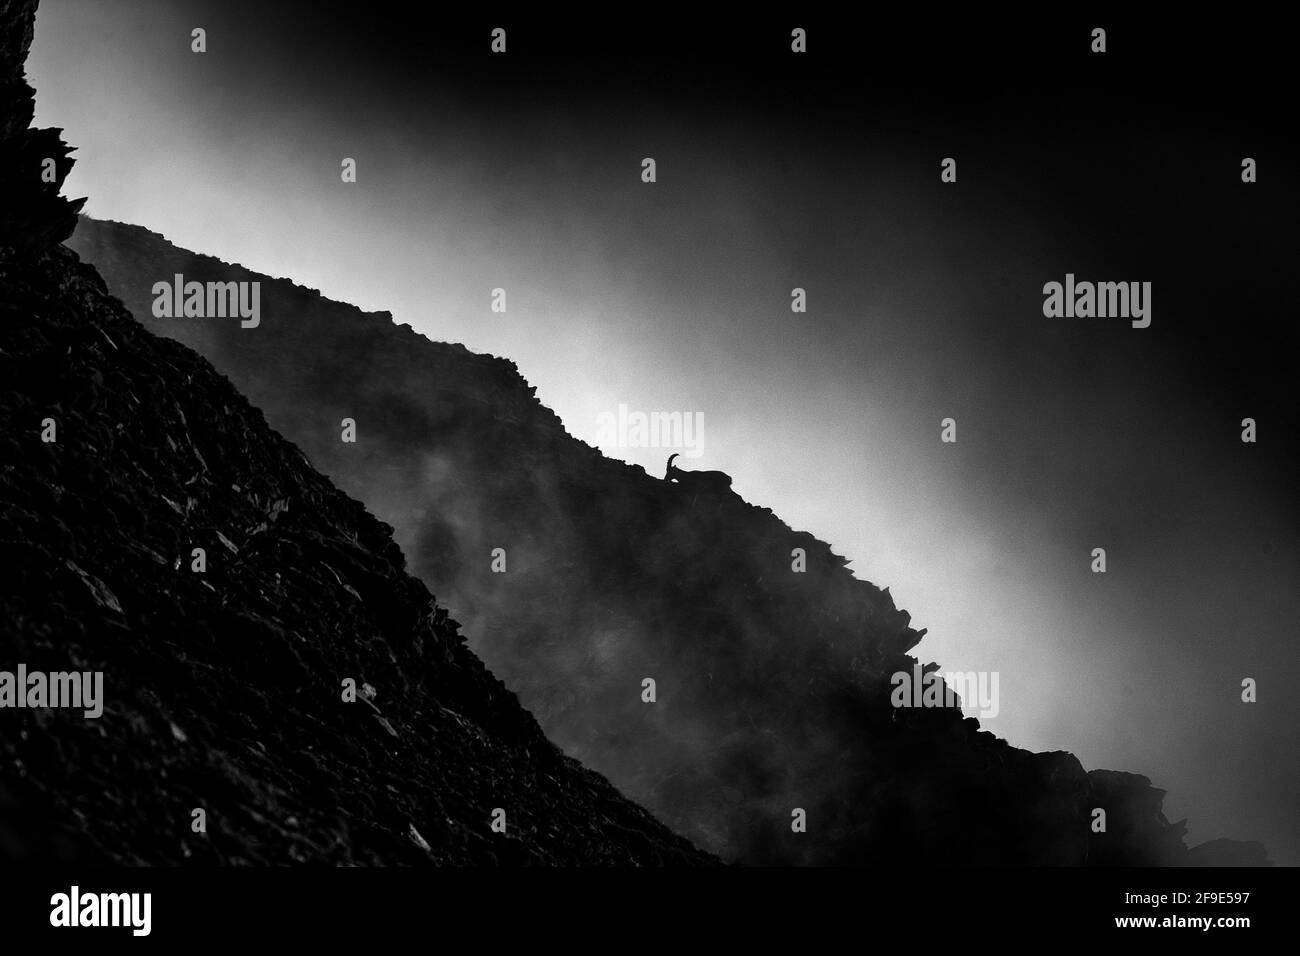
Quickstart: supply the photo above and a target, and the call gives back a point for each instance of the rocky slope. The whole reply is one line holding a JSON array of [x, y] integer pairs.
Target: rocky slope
[[224, 688], [772, 686]]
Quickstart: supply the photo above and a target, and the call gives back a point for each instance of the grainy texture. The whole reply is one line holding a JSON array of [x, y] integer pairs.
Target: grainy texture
[[224, 688], [774, 688]]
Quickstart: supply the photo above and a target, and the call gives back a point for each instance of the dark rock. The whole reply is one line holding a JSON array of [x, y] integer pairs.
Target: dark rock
[[773, 686], [223, 689], [777, 683]]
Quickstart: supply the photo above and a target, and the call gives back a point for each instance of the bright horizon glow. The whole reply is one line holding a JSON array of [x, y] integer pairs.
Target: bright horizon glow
[[831, 418]]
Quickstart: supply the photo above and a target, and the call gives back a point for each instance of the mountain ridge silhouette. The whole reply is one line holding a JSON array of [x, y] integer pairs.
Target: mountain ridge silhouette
[[772, 685], [276, 688]]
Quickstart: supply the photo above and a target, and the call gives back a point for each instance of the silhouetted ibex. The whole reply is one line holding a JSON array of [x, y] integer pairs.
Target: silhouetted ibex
[[715, 482]]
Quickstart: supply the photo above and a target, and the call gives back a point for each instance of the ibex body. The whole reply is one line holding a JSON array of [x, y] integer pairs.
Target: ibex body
[[713, 482]]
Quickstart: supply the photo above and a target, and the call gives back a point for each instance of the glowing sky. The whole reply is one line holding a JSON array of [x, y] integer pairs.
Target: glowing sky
[[924, 301]]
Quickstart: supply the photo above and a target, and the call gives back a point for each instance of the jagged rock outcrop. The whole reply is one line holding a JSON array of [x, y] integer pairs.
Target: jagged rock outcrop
[[773, 686], [35, 162], [223, 688]]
